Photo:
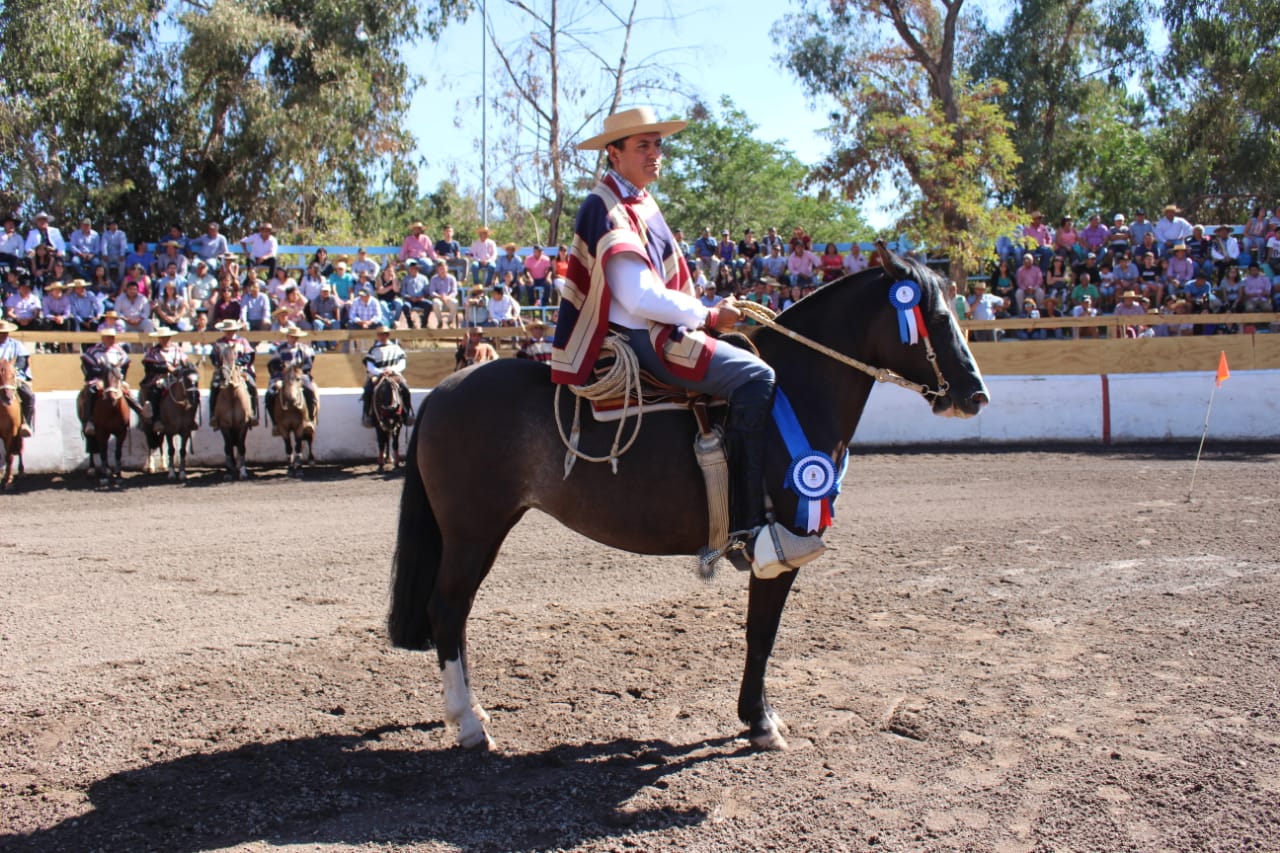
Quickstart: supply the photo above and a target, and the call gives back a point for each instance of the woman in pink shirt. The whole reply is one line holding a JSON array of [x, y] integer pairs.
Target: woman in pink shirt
[[1066, 239], [801, 263]]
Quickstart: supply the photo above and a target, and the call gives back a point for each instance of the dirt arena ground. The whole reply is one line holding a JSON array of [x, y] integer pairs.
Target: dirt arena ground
[[1007, 651]]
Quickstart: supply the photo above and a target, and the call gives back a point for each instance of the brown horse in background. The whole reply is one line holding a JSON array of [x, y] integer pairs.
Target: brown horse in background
[[388, 418], [178, 417], [232, 413], [110, 416], [292, 420], [10, 422]]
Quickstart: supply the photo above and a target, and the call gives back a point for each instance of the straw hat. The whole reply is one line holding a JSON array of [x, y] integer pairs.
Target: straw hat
[[292, 331], [6, 326], [628, 123], [280, 312], [228, 325], [1129, 294], [54, 285], [162, 332]]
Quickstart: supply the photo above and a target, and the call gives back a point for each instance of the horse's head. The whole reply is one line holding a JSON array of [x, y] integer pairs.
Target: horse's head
[[956, 387]]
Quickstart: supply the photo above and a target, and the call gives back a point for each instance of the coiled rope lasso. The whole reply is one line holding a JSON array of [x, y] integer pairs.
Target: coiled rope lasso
[[622, 377]]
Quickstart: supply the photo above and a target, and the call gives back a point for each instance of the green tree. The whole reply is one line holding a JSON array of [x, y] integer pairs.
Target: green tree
[[1066, 64], [903, 114], [717, 174]]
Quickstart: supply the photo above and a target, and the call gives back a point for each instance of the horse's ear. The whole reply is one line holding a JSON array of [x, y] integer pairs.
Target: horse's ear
[[891, 263]]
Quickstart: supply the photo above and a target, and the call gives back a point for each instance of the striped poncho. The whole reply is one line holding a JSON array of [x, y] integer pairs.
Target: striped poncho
[[610, 223]]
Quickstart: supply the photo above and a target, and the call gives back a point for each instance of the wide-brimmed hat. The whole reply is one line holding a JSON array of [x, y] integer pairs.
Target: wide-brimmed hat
[[1129, 294], [1226, 228], [381, 328], [628, 123], [280, 312], [266, 225], [536, 324], [292, 331], [228, 325], [54, 285], [1172, 208], [510, 247], [1180, 247], [6, 326], [475, 330], [414, 225], [162, 332]]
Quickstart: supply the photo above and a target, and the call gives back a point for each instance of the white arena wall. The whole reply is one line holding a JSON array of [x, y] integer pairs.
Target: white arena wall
[[1024, 409]]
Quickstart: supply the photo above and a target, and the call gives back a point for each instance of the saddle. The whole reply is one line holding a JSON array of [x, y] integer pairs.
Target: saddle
[[653, 395]]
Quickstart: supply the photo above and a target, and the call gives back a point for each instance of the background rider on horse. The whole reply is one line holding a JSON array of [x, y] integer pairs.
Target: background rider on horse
[[385, 358], [232, 345], [645, 295], [15, 352], [163, 359], [95, 363], [293, 351]]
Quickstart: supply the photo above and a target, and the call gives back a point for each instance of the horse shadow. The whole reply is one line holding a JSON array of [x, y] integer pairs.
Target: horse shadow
[[356, 789]]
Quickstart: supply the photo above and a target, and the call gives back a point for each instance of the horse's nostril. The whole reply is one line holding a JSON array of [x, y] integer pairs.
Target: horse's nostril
[[980, 399]]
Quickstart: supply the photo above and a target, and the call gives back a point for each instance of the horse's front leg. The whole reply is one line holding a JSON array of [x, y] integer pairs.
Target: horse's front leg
[[764, 611]]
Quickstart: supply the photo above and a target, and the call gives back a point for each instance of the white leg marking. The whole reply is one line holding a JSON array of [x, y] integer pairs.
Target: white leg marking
[[461, 707]]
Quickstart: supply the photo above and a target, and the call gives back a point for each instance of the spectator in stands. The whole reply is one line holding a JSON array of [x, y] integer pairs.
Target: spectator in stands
[[1171, 229], [1140, 227], [1119, 240], [798, 233], [1180, 268], [442, 291], [1150, 280], [1030, 281], [1030, 310], [449, 249], [854, 261], [171, 308], [86, 306], [538, 266], [1004, 282], [140, 257], [1085, 309], [1257, 290], [364, 263], [832, 263], [364, 312], [748, 254], [342, 282], [82, 249], [724, 283], [262, 248], [983, 306], [770, 240], [169, 274], [292, 310], [170, 254], [1198, 247], [958, 304], [255, 307], [727, 252], [1057, 282], [45, 234], [277, 284], [200, 285], [413, 294], [708, 296], [417, 245], [537, 346], [476, 312], [1131, 306], [321, 259], [1051, 309], [1147, 247], [503, 309], [101, 283], [387, 291], [1066, 240], [1042, 251], [507, 262], [41, 263], [13, 248], [1198, 291], [1231, 290], [1095, 235], [682, 246], [801, 263], [226, 301], [1106, 287], [1084, 288], [55, 310], [474, 349], [559, 273], [1255, 234], [326, 311], [1273, 250], [311, 281], [774, 265], [484, 256], [705, 253], [211, 246], [1224, 251], [134, 309]]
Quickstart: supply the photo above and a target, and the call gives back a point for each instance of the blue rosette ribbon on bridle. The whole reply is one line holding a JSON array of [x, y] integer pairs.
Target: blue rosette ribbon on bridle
[[811, 475], [905, 296]]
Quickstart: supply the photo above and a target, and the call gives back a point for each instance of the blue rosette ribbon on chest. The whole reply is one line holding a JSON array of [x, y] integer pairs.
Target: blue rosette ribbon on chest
[[811, 475]]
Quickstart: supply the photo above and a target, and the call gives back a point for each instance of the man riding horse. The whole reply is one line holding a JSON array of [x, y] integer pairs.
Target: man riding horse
[[627, 275], [385, 358], [15, 352], [232, 345], [95, 363], [291, 352], [163, 359]]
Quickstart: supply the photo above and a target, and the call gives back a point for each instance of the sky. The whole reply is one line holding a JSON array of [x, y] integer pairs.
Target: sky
[[725, 49]]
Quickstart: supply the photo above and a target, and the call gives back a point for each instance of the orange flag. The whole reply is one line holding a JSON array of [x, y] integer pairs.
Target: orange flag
[[1224, 373]]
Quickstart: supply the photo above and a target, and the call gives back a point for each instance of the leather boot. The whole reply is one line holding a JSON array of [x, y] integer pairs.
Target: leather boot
[[749, 409]]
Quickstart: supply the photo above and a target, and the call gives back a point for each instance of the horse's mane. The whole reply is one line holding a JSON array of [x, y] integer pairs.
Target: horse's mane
[[863, 283]]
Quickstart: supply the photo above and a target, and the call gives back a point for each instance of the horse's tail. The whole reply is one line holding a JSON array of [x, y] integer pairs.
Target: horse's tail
[[417, 560]]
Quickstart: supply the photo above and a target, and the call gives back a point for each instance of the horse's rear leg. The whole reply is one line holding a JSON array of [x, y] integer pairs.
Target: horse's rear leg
[[461, 571], [764, 611]]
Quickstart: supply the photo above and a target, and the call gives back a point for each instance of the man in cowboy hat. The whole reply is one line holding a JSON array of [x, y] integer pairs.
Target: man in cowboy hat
[[13, 248], [23, 308], [232, 345], [262, 248], [95, 363], [417, 245], [55, 309], [537, 346], [293, 351], [1224, 250], [632, 278], [45, 234], [484, 253], [385, 358], [161, 360], [1172, 228], [509, 262], [13, 351]]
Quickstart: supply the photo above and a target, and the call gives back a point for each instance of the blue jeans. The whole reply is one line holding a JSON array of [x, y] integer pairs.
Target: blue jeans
[[391, 311], [489, 271], [731, 367]]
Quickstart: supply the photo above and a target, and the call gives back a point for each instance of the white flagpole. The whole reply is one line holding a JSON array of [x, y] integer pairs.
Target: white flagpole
[[1195, 467]]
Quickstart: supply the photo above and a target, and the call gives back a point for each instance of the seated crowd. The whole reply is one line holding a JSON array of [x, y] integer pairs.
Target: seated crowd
[[1132, 268]]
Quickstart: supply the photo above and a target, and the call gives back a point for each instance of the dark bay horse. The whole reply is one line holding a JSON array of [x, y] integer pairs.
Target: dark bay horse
[[233, 412], [178, 417], [292, 420], [452, 523], [111, 416], [10, 422], [388, 416]]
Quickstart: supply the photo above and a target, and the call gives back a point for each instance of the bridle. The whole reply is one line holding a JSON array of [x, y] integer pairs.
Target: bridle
[[765, 317]]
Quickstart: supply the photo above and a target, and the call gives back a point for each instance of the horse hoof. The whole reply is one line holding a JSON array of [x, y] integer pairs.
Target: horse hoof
[[226, 478], [478, 741], [244, 475], [172, 476], [771, 741]]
